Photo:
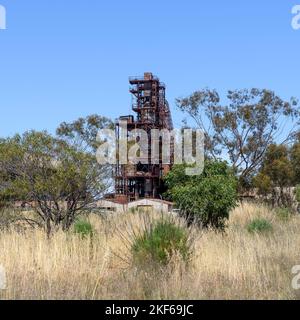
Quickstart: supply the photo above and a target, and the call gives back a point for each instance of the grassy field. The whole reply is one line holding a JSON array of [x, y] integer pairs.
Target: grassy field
[[235, 265]]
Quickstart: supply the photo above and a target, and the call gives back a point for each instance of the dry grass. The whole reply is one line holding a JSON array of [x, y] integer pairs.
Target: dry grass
[[235, 265]]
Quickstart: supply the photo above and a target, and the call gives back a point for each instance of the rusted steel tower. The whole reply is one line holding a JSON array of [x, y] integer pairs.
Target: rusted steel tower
[[136, 181]]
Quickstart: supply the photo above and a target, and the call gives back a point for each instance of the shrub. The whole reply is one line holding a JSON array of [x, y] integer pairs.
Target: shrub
[[6, 217], [283, 213], [159, 242], [84, 228], [263, 183], [207, 198], [259, 225]]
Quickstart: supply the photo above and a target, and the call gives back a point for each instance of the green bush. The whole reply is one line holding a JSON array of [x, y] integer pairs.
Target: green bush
[[283, 213], [83, 228], [159, 242], [207, 198], [259, 225]]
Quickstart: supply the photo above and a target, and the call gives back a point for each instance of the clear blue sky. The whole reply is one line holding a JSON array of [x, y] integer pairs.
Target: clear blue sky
[[62, 59]]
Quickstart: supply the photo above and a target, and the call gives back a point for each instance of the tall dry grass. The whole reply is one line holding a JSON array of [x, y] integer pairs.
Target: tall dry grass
[[233, 265]]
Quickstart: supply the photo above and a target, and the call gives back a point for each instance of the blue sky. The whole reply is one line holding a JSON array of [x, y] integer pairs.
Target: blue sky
[[60, 60]]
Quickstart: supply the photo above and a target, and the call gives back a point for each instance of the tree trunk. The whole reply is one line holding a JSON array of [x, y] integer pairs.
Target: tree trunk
[[48, 228]]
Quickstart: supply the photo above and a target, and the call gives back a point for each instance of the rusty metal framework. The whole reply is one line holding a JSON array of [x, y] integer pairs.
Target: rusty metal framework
[[136, 181]]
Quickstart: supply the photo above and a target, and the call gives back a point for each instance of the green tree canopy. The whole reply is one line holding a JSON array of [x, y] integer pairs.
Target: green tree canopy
[[243, 126], [56, 178], [83, 132], [207, 198], [276, 172]]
